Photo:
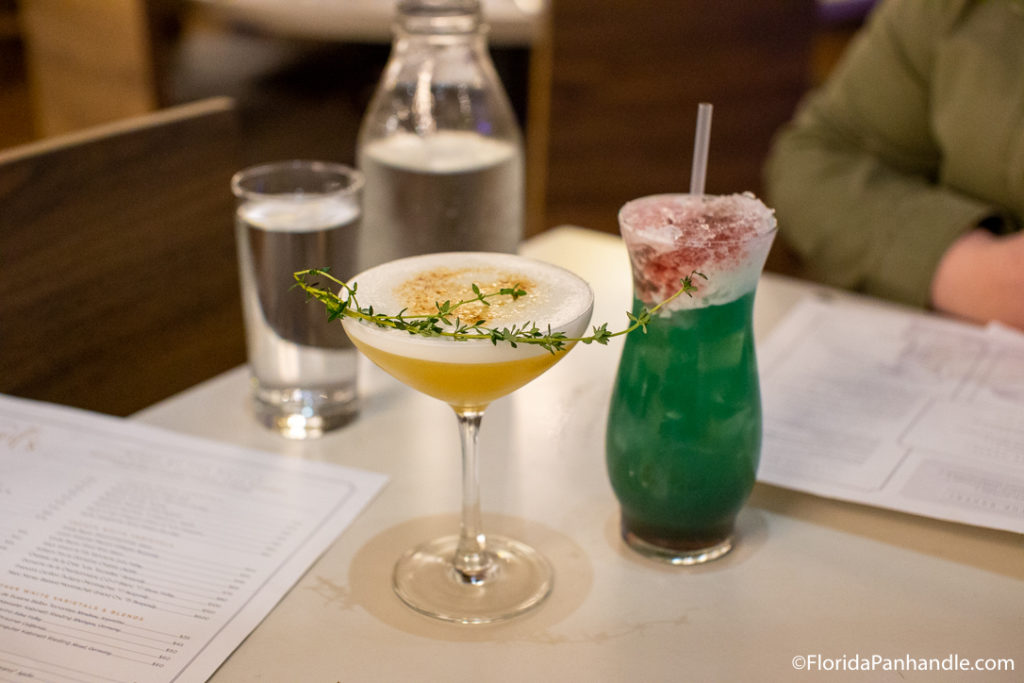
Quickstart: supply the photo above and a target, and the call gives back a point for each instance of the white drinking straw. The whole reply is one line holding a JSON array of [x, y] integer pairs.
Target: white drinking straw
[[701, 141]]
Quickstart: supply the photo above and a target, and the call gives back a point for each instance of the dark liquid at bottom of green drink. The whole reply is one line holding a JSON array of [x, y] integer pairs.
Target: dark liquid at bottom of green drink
[[684, 428]]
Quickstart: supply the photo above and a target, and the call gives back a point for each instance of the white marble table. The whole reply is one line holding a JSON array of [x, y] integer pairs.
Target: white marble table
[[809, 577]]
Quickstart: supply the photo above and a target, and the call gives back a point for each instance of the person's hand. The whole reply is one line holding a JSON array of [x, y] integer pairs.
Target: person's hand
[[981, 278]]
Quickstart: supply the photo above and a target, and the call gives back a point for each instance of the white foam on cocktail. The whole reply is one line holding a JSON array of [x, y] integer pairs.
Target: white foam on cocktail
[[723, 237], [554, 297]]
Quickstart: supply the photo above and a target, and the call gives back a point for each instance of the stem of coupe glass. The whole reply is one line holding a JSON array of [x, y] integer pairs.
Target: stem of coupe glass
[[472, 562]]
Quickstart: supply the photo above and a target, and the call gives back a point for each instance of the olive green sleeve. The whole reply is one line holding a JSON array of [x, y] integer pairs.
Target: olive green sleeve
[[852, 177]]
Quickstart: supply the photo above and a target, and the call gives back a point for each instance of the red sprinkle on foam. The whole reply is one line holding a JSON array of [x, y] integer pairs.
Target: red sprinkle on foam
[[670, 236]]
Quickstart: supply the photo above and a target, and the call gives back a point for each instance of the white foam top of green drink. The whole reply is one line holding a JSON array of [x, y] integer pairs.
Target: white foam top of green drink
[[554, 297], [670, 236]]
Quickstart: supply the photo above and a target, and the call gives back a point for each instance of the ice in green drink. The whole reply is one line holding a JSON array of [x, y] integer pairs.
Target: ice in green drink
[[684, 427]]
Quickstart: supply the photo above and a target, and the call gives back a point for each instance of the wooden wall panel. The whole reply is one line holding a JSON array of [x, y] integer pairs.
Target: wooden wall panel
[[626, 82]]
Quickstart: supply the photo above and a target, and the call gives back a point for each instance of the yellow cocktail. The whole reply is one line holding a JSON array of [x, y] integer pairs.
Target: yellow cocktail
[[469, 578], [461, 385]]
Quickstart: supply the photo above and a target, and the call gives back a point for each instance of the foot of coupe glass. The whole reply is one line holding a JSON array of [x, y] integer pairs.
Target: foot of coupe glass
[[517, 578]]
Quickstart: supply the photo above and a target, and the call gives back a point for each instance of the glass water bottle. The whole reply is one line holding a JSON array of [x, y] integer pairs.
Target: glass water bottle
[[440, 147]]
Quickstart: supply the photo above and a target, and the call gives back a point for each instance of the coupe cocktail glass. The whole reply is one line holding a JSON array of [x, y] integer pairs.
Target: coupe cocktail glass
[[470, 577]]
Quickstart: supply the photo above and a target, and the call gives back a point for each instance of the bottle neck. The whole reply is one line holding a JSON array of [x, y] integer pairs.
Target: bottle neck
[[425, 18]]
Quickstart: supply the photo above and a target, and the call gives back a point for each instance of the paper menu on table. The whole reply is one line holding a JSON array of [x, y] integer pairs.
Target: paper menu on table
[[128, 553], [896, 409]]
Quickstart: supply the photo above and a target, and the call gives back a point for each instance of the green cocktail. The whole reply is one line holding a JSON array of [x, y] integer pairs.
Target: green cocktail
[[684, 427]]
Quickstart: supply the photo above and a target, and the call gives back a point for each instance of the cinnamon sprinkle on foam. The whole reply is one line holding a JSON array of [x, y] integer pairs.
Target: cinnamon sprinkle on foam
[[420, 294]]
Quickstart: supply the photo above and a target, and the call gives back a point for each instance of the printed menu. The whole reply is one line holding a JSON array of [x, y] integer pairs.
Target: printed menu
[[898, 409], [130, 553]]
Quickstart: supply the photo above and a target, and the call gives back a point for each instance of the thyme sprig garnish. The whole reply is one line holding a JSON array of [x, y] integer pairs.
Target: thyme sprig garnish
[[345, 303]]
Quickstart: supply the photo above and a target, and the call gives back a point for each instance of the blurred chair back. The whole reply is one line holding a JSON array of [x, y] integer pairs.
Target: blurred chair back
[[118, 272]]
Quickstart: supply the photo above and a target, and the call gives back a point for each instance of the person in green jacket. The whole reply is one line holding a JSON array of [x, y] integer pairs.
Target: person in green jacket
[[903, 175]]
